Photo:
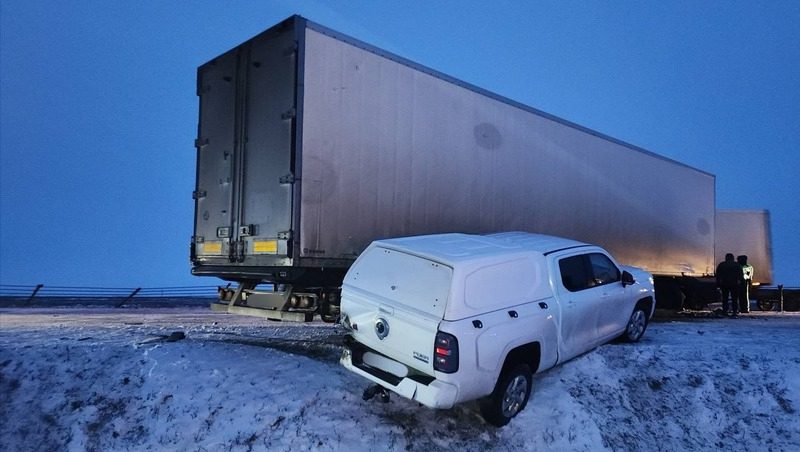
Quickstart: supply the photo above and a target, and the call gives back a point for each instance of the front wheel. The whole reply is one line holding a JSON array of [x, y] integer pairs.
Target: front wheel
[[636, 325], [509, 396]]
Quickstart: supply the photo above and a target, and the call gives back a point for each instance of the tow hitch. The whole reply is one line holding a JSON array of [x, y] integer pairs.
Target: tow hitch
[[376, 390]]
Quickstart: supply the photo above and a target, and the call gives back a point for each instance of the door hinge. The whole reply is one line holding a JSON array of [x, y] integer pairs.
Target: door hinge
[[291, 50], [200, 142], [197, 194], [289, 114], [285, 235], [247, 230], [287, 179]]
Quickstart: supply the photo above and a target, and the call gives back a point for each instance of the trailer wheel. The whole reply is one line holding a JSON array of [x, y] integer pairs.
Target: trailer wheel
[[766, 305], [509, 397], [330, 309], [329, 312]]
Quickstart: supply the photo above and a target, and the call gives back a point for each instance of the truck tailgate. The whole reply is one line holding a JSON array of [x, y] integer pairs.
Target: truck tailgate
[[404, 335]]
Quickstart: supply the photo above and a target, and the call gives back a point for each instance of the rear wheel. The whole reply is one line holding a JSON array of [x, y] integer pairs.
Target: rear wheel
[[766, 305], [509, 397], [636, 325], [330, 309]]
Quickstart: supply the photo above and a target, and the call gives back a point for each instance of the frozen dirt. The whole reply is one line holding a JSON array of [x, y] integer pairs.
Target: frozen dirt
[[119, 379]]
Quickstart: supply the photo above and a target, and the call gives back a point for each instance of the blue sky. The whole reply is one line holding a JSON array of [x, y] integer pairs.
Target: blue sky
[[98, 112]]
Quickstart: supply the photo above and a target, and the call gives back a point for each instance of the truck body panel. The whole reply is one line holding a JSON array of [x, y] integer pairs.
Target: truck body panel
[[313, 144]]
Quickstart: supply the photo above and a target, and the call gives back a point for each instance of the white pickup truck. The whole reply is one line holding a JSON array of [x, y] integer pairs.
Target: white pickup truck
[[448, 318]]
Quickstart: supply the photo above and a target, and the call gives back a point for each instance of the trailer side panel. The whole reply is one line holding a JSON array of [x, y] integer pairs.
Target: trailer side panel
[[392, 150]]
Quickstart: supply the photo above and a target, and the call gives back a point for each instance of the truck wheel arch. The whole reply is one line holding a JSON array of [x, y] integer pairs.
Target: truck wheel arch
[[647, 303], [529, 354], [640, 318]]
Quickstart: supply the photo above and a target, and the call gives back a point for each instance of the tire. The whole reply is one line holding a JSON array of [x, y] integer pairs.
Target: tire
[[510, 395], [329, 312], [329, 318], [766, 305], [636, 326]]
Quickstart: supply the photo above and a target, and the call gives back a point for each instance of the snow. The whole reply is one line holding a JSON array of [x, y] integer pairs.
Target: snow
[[113, 379]]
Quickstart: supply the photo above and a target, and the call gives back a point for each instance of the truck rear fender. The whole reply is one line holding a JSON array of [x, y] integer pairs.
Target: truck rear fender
[[533, 340], [539, 353], [529, 354]]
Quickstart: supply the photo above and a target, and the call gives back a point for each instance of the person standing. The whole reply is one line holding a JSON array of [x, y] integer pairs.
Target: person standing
[[744, 292], [729, 280]]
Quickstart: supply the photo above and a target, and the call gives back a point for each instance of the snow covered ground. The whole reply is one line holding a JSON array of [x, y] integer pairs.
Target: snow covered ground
[[114, 379]]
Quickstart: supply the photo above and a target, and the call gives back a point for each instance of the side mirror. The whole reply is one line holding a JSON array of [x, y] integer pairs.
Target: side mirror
[[627, 279]]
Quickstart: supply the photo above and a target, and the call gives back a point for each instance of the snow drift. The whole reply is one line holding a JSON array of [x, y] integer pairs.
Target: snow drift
[[110, 379]]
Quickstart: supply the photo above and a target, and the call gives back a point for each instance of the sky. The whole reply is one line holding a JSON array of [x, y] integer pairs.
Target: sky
[[98, 107]]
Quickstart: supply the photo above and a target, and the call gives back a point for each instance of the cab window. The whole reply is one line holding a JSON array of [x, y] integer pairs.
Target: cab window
[[603, 270], [587, 270]]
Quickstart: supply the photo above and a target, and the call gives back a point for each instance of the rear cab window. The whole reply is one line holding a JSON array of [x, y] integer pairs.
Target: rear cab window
[[574, 274]]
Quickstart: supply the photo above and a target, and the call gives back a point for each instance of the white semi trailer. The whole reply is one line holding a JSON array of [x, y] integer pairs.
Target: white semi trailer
[[312, 144]]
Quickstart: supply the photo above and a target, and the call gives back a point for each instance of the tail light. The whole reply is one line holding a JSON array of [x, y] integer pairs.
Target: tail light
[[445, 353]]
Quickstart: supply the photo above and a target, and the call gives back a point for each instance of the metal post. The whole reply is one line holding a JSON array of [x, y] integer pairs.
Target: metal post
[[35, 291], [133, 294], [780, 295]]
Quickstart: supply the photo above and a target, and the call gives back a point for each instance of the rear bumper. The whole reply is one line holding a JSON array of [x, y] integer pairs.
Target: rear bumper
[[278, 272], [260, 312], [433, 393]]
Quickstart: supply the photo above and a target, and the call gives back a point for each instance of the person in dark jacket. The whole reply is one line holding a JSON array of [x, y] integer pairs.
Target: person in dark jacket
[[729, 280]]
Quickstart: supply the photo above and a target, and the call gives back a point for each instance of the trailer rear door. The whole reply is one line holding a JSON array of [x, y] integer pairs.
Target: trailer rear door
[[265, 209], [245, 145], [216, 87]]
